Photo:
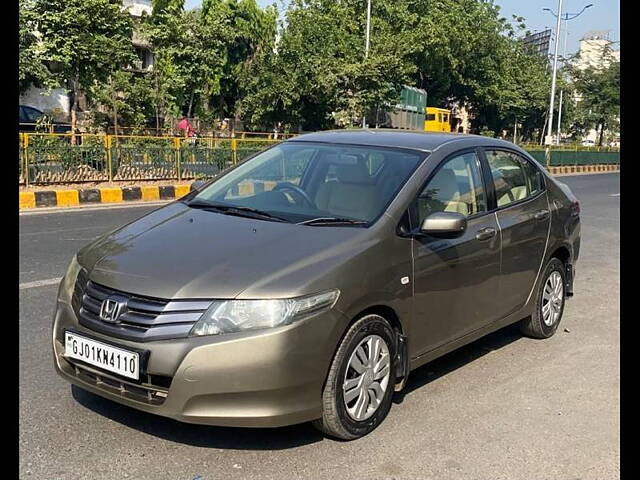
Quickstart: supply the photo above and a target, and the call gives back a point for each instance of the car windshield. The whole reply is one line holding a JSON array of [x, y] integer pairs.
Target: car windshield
[[318, 184], [31, 115]]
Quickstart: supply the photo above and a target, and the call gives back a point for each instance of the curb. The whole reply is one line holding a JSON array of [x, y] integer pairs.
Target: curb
[[583, 169], [97, 196]]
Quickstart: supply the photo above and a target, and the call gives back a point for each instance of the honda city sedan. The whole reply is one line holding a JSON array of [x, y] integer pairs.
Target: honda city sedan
[[307, 282]]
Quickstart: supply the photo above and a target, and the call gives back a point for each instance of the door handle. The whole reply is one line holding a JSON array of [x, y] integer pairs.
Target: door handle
[[541, 215], [486, 233]]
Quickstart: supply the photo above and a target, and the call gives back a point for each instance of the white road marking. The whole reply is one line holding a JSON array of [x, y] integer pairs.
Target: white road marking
[[40, 283], [93, 207], [614, 195], [64, 230]]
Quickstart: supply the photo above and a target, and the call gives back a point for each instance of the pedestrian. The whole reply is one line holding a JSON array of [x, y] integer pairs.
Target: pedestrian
[[186, 126]]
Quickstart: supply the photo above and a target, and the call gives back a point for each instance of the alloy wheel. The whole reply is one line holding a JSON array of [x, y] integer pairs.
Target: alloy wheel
[[367, 377], [552, 299]]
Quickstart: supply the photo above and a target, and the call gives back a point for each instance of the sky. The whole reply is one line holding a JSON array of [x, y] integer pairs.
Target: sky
[[603, 15]]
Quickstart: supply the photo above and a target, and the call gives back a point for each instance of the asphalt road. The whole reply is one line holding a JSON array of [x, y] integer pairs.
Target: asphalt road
[[504, 407]]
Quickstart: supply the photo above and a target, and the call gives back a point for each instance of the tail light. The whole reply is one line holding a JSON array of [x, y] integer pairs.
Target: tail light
[[575, 209]]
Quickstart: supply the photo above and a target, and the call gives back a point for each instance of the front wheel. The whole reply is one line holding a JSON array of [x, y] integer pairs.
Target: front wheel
[[357, 395], [549, 305]]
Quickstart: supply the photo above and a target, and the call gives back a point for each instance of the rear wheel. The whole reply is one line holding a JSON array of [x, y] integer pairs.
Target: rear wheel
[[357, 395], [549, 306]]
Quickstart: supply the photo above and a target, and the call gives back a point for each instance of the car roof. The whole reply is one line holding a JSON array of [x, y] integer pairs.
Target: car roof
[[382, 137]]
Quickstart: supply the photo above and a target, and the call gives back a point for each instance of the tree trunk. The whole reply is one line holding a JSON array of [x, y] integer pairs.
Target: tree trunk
[[157, 104], [115, 118], [602, 125], [74, 106], [190, 106]]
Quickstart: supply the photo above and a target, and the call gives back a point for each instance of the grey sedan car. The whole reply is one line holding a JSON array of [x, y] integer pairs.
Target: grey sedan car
[[305, 283]]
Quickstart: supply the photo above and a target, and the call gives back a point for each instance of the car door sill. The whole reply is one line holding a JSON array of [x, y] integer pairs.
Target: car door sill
[[445, 348]]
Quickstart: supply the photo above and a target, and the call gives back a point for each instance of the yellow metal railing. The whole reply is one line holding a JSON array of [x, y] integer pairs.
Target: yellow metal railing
[[103, 155]]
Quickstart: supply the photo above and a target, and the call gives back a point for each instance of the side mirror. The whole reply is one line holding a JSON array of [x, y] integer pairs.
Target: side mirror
[[198, 184], [444, 224]]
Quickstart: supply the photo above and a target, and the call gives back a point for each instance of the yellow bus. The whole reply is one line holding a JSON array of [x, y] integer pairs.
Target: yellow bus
[[437, 120]]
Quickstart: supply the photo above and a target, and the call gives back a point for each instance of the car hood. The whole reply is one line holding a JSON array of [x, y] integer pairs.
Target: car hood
[[180, 252]]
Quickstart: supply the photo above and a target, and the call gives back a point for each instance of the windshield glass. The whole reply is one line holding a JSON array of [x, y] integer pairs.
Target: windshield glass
[[305, 181]]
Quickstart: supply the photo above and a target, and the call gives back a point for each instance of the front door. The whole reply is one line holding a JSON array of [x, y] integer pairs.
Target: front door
[[455, 279], [523, 215]]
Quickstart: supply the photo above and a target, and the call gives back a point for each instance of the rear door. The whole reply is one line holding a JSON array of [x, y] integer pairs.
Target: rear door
[[455, 279], [523, 215]]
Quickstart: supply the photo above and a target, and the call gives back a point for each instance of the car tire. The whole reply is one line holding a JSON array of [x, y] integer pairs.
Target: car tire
[[549, 302], [347, 417]]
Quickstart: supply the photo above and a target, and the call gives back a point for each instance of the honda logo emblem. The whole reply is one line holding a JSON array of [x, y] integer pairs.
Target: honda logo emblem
[[111, 309]]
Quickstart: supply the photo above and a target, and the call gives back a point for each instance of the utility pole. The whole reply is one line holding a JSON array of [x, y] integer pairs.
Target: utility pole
[[564, 61], [549, 139], [566, 17], [366, 50]]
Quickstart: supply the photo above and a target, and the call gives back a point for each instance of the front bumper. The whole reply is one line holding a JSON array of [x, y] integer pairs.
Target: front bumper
[[265, 378]]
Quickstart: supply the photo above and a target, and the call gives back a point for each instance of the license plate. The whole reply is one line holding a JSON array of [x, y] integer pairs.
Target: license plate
[[101, 355]]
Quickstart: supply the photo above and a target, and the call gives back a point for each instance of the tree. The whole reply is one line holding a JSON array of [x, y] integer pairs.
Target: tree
[[522, 83], [190, 50], [31, 67], [319, 76], [88, 40], [463, 46], [598, 98], [252, 31], [127, 96]]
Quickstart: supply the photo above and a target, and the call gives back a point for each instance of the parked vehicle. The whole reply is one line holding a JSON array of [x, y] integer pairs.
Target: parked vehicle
[[407, 114], [28, 118], [437, 120], [305, 283]]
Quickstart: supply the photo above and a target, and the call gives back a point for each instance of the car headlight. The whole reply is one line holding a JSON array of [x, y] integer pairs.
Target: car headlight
[[227, 316], [65, 292]]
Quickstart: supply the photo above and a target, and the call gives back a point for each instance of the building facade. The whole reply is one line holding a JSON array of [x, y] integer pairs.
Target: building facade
[[597, 52]]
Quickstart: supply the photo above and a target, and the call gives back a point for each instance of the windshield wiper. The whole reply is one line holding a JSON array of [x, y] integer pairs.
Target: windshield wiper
[[235, 210], [333, 221]]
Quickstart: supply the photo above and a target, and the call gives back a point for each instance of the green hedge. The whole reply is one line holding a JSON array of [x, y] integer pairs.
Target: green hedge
[[558, 158]]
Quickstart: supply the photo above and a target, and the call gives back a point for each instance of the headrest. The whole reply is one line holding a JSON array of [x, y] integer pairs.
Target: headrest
[[444, 185], [500, 182], [356, 173]]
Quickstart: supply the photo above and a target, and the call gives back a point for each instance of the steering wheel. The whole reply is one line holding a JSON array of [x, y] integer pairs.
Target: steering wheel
[[294, 188]]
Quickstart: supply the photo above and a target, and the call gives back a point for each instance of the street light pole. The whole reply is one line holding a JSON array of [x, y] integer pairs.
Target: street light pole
[[564, 60], [548, 139], [566, 17], [366, 49]]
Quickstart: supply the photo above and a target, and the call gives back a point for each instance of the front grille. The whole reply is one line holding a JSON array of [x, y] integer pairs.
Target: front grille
[[153, 391], [142, 318]]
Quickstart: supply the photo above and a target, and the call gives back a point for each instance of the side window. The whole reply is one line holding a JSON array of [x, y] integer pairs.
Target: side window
[[509, 177], [456, 187], [431, 117], [534, 178], [514, 177]]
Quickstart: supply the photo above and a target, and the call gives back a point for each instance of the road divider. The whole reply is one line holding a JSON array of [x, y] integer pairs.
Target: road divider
[[92, 196], [569, 169]]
